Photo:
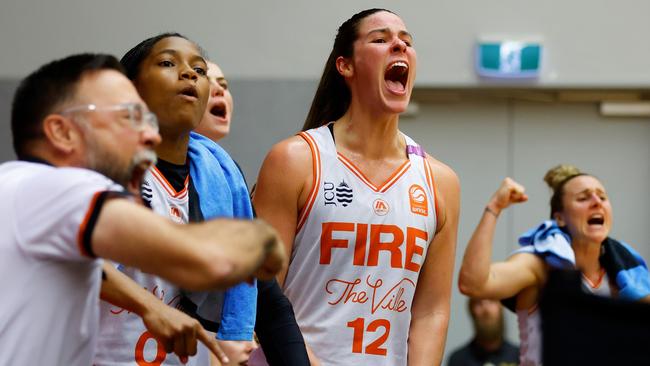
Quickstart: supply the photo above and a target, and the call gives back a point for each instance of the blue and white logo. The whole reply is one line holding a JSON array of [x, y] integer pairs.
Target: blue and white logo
[[344, 194]]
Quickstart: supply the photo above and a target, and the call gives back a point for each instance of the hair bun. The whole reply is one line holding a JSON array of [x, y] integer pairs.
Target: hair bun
[[558, 174]]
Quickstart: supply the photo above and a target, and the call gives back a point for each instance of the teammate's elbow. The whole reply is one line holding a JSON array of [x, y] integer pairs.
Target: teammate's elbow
[[468, 285]]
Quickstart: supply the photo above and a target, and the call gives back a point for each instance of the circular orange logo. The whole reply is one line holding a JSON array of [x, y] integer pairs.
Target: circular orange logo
[[380, 207]]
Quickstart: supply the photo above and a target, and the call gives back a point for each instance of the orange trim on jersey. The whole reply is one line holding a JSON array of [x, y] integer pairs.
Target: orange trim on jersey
[[316, 168], [598, 283], [432, 187], [168, 187], [397, 174], [84, 225], [395, 177]]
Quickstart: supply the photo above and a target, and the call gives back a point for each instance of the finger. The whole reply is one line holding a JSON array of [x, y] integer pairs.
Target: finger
[[212, 345], [168, 344], [515, 193], [179, 346], [190, 340], [518, 197], [516, 189], [271, 266]]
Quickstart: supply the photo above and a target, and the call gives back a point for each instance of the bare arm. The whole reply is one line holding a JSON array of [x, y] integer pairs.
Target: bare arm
[[177, 331], [214, 254], [283, 186], [483, 279], [430, 313], [284, 182]]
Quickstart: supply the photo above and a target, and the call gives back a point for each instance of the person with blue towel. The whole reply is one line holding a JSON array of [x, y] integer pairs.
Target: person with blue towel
[[576, 237]]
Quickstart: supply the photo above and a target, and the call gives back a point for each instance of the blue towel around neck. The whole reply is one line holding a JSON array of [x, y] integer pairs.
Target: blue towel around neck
[[550, 242], [621, 262], [223, 192]]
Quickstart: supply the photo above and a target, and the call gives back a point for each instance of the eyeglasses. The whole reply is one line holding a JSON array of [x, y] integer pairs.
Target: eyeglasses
[[137, 114]]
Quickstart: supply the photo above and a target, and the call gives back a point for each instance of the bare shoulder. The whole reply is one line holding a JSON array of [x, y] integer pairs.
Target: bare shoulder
[[290, 154], [286, 174]]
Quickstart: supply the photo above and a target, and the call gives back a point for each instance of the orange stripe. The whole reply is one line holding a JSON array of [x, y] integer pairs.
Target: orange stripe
[[434, 190], [168, 187], [316, 168], [427, 171], [357, 172], [396, 176], [84, 224], [383, 187], [599, 282]]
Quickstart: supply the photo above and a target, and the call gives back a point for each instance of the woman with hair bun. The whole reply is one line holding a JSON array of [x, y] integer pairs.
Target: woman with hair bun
[[575, 237]]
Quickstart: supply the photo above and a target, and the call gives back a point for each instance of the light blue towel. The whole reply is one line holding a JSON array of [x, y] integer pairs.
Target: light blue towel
[[223, 193], [550, 242], [622, 263]]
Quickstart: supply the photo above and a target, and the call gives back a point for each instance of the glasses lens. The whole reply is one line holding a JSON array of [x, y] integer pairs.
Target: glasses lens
[[136, 115], [151, 120]]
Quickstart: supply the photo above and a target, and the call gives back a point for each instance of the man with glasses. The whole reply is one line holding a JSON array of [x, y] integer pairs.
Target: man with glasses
[[82, 134]]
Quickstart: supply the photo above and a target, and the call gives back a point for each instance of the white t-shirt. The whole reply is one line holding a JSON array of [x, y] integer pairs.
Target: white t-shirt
[[49, 277]]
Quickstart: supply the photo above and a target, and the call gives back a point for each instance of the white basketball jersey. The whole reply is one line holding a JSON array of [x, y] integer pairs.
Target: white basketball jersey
[[530, 336], [357, 255], [124, 340]]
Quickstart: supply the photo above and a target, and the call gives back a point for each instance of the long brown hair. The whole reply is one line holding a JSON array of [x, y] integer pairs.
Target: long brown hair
[[333, 96]]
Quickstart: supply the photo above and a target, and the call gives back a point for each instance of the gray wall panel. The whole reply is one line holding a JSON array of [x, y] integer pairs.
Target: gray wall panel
[[7, 89], [616, 150], [265, 113], [588, 42]]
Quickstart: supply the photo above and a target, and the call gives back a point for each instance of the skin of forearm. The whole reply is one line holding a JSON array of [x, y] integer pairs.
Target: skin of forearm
[[423, 348], [475, 268], [119, 290], [210, 255], [245, 246]]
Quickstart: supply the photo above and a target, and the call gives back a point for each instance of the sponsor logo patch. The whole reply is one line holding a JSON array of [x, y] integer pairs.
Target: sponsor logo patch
[[344, 194], [328, 193], [380, 207], [418, 200], [175, 214]]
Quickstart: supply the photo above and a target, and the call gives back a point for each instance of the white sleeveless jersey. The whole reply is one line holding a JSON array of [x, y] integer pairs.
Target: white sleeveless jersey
[[357, 255], [530, 336], [124, 340], [600, 288]]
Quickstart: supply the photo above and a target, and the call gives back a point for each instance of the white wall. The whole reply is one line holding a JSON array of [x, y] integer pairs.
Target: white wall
[[589, 42]]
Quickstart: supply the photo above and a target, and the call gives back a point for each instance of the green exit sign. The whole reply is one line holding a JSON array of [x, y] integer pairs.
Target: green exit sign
[[508, 59]]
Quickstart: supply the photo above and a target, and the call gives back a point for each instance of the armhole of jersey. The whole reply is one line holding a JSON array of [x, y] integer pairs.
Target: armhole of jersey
[[90, 219], [432, 188], [316, 169]]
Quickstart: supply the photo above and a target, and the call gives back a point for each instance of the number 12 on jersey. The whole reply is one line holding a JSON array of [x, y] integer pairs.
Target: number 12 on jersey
[[375, 347]]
